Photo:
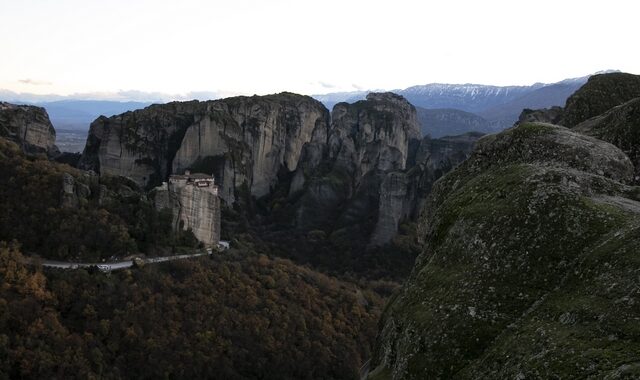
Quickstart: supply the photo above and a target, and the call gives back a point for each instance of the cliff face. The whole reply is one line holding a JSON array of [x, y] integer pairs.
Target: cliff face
[[192, 207], [373, 172], [526, 270], [403, 194], [243, 140], [29, 127], [372, 134], [341, 172], [249, 139], [362, 173], [141, 144]]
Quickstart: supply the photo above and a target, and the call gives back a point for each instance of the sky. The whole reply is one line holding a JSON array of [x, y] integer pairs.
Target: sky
[[249, 47]]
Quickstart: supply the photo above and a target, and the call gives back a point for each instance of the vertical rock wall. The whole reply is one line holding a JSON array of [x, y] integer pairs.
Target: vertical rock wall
[[29, 126]]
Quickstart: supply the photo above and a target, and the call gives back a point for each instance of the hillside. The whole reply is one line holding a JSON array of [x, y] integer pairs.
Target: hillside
[[600, 94], [606, 107], [235, 316], [527, 263], [58, 212]]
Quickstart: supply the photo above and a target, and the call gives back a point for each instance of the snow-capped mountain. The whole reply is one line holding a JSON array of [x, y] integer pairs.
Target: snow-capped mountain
[[499, 106], [465, 97]]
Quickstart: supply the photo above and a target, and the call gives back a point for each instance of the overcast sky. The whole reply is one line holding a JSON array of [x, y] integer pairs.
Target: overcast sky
[[310, 47]]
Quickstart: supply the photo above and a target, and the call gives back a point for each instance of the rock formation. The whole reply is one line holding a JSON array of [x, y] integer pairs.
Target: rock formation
[[343, 169], [372, 171], [606, 107], [600, 94], [528, 269], [619, 126], [29, 127], [546, 115], [243, 140], [194, 204], [402, 194]]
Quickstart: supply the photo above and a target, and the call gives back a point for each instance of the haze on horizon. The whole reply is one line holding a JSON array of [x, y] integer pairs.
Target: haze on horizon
[[251, 46]]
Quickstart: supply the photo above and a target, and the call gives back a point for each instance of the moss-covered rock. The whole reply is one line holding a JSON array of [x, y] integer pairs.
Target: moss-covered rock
[[600, 94], [621, 127], [529, 268]]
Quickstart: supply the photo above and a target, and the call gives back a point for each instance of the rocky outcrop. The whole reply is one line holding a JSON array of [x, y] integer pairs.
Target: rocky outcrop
[[546, 115], [74, 193], [403, 194], [352, 172], [342, 170], [619, 126], [373, 170], [251, 138], [606, 107], [529, 268], [141, 144], [243, 140], [373, 134], [29, 127], [600, 94], [193, 208]]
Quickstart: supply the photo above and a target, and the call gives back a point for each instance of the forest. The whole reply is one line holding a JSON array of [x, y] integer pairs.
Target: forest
[[103, 217], [241, 315], [274, 306]]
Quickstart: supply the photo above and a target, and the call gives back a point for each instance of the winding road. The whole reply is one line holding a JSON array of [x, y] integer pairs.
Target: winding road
[[115, 265]]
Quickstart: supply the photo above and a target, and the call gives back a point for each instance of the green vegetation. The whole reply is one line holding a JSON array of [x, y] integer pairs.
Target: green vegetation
[[600, 94], [619, 126], [529, 268], [101, 217]]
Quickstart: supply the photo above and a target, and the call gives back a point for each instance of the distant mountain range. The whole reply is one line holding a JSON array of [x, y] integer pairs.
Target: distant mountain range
[[442, 122], [450, 109], [443, 109]]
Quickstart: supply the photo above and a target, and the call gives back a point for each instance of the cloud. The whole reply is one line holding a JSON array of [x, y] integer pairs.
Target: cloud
[[327, 85], [118, 96], [35, 82], [358, 87]]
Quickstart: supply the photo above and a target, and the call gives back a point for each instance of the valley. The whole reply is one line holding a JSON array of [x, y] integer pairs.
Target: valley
[[428, 243]]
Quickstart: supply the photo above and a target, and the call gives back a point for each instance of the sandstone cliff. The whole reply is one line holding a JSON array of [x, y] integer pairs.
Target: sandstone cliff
[[249, 139], [192, 208], [29, 127], [528, 269], [361, 172], [403, 194], [243, 140], [372, 172]]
